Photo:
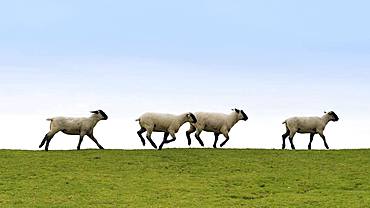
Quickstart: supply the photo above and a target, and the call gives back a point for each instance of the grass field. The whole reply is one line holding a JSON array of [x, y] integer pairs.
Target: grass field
[[185, 178]]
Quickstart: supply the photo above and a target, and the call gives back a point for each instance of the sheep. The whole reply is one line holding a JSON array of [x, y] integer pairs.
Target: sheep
[[74, 126], [167, 123], [217, 123], [311, 125]]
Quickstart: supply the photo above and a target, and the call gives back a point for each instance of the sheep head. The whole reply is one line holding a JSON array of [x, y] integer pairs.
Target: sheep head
[[191, 118], [241, 114], [332, 116], [101, 114]]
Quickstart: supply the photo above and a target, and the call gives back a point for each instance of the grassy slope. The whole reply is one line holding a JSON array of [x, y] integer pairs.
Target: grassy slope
[[185, 177]]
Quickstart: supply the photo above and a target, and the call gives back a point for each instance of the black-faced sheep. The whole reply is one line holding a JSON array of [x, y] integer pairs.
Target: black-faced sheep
[[215, 122], [74, 126], [311, 125], [167, 123]]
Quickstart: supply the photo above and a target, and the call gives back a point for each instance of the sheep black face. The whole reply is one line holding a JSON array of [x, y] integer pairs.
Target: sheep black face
[[333, 116], [101, 114], [245, 117], [242, 115], [191, 118]]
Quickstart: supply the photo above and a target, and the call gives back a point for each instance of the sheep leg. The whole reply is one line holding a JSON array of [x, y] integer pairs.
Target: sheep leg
[[216, 139], [323, 138], [164, 140], [226, 135], [311, 139], [197, 136], [80, 141], [284, 137], [173, 138], [188, 132], [291, 139], [149, 137], [47, 145], [43, 141], [142, 130], [47, 139], [291, 142], [91, 136]]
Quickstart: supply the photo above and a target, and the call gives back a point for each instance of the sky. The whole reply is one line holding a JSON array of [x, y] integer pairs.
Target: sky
[[273, 59]]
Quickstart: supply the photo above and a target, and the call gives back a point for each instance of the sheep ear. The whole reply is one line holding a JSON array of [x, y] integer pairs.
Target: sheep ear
[[94, 112], [237, 110], [325, 112]]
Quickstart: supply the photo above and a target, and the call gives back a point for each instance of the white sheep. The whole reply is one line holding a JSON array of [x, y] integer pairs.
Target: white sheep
[[311, 125], [74, 126], [167, 123], [215, 122]]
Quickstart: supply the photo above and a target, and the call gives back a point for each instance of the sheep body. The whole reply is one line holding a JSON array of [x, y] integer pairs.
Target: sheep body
[[215, 122], [159, 122], [74, 126], [311, 125], [305, 124], [218, 123]]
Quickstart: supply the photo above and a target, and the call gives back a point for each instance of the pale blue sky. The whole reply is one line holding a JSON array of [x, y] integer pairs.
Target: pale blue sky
[[273, 58], [186, 30]]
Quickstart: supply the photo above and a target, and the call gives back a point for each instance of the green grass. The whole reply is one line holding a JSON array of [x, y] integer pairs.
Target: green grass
[[185, 178]]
